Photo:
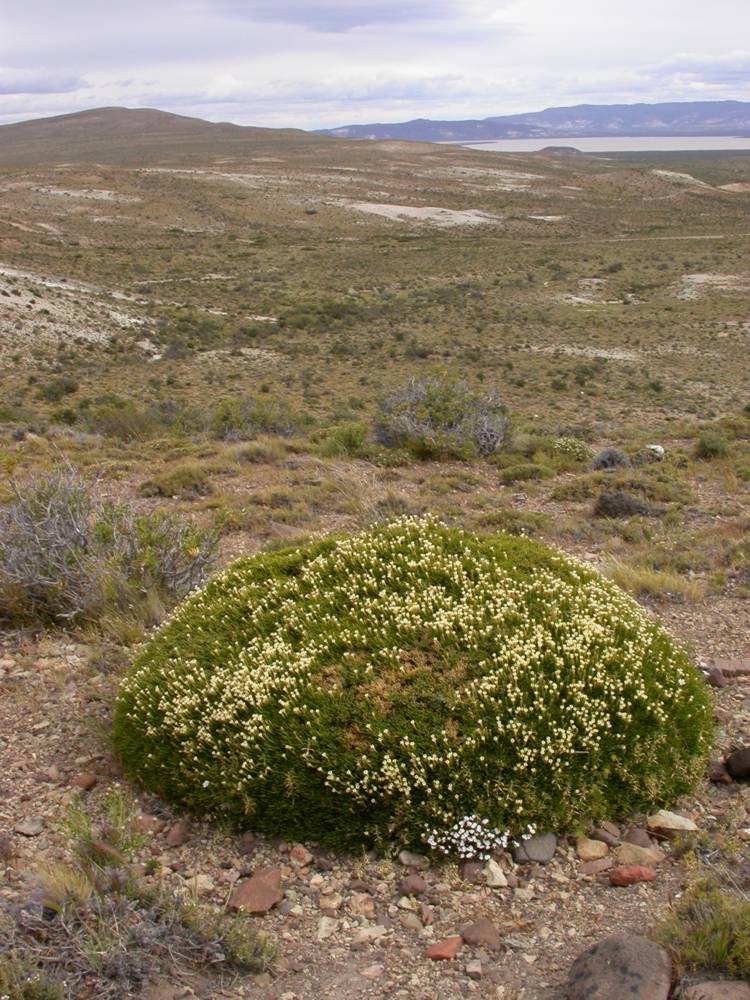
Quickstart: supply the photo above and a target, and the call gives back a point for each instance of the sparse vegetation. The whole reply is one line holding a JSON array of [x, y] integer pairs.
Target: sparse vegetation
[[435, 417], [65, 555], [99, 928]]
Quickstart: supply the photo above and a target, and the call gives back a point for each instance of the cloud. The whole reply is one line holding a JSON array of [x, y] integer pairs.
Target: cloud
[[32, 81], [338, 16]]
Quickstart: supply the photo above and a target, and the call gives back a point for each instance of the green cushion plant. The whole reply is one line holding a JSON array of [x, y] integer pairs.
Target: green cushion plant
[[412, 683]]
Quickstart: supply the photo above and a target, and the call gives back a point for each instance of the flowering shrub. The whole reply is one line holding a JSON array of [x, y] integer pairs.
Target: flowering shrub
[[395, 683], [571, 447]]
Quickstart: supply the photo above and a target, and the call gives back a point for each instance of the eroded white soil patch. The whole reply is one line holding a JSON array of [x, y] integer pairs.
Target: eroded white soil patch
[[88, 194], [444, 217], [693, 286], [678, 178]]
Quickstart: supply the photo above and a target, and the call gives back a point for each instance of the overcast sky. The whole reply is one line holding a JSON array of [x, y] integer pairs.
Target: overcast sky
[[319, 63]]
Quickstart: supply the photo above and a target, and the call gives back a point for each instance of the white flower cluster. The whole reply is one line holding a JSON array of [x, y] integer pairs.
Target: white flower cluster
[[469, 838], [548, 667]]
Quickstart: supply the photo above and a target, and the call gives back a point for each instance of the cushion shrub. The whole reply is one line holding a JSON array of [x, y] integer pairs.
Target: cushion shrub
[[388, 685]]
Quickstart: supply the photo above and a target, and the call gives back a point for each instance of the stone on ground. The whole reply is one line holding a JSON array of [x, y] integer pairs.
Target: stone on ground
[[669, 823], [483, 934], [539, 848], [632, 854], [589, 849], [444, 950], [719, 990], [620, 967], [259, 893], [738, 764], [631, 875]]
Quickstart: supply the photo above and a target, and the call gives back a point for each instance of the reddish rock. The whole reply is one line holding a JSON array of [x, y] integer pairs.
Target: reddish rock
[[597, 866], [426, 915], [482, 933], [178, 833], [259, 893], [631, 875], [412, 885], [624, 965], [444, 950], [471, 871], [300, 856]]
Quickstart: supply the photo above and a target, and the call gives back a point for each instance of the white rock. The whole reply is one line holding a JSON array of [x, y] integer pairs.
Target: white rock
[[669, 822], [326, 927], [494, 875]]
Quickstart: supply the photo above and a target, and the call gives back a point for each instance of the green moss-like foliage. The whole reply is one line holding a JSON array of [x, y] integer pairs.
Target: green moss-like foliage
[[386, 685]]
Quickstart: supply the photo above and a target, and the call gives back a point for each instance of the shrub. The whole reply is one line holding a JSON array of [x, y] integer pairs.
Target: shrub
[[525, 471], [571, 447], [609, 458], [244, 418], [64, 555], [709, 929], [710, 445], [120, 419], [432, 418], [186, 481], [387, 685], [621, 505], [58, 388]]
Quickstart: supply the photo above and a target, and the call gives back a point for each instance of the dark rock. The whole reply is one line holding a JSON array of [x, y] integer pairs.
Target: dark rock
[[246, 843], [738, 764], [483, 934], [620, 967], [638, 836], [604, 836], [539, 848]]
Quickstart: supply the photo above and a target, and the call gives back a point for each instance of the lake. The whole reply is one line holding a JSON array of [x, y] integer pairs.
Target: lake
[[619, 144]]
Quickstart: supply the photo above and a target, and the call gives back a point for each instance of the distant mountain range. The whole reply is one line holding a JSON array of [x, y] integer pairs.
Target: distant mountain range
[[710, 118]]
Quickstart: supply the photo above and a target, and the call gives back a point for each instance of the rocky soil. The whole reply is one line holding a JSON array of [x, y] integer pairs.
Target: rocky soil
[[348, 926]]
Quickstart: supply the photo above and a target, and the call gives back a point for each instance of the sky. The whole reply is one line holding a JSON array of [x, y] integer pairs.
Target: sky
[[323, 63]]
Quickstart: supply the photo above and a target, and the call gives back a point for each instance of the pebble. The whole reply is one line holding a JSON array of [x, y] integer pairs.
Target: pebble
[[327, 926], [474, 969], [32, 827], [444, 950], [177, 833], [412, 885]]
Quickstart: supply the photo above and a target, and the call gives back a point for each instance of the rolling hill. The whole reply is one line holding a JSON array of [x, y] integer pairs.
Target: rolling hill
[[135, 136]]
